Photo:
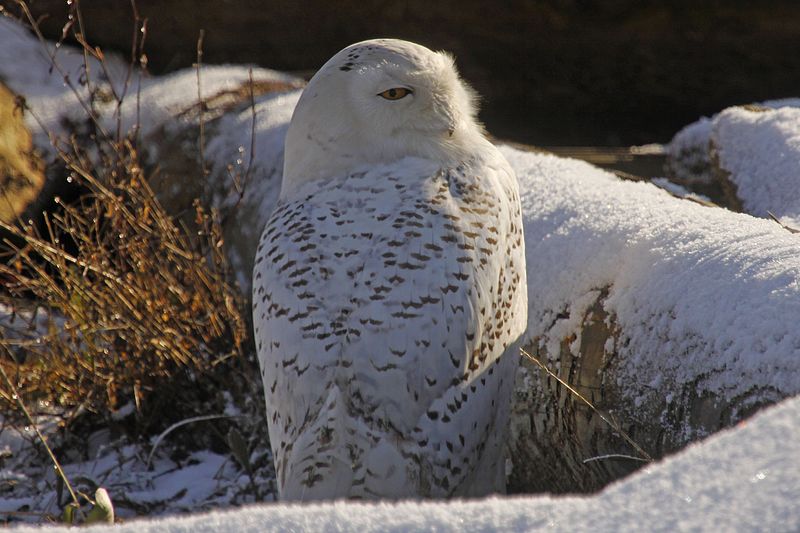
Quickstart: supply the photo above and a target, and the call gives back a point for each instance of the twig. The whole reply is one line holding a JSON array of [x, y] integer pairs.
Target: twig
[[81, 37], [240, 184], [35, 427], [129, 71], [252, 157], [55, 251], [203, 169], [781, 224], [614, 456], [142, 69], [86, 107], [176, 425], [578, 395]]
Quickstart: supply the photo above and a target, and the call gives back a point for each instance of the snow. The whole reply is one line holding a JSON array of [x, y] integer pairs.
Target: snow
[[230, 142], [679, 191], [743, 479], [688, 154], [698, 293], [200, 480], [24, 324], [761, 152], [26, 67]]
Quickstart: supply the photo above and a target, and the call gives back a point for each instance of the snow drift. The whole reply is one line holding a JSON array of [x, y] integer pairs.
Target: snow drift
[[744, 479]]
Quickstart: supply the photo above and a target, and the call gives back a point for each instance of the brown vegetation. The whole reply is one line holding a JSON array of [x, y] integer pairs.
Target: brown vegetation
[[137, 300], [134, 302]]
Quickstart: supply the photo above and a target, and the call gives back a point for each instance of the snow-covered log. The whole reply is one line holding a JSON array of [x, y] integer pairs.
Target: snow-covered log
[[688, 162], [691, 156], [756, 153], [241, 152], [673, 318]]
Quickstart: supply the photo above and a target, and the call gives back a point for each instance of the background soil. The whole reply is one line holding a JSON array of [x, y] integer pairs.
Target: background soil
[[552, 72]]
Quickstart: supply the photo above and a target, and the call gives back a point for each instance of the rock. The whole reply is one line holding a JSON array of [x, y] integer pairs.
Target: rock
[[21, 168]]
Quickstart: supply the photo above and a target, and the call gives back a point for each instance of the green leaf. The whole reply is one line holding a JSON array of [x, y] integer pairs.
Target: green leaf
[[103, 510]]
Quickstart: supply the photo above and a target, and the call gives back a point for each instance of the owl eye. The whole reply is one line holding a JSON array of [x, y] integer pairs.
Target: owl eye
[[395, 93]]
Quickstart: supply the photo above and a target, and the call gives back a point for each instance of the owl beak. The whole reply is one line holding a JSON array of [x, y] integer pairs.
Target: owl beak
[[450, 131]]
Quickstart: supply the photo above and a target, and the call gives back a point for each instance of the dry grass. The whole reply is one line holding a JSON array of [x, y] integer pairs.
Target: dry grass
[[136, 296], [133, 298], [127, 304]]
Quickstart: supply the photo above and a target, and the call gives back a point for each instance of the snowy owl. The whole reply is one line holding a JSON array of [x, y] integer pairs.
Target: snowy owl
[[389, 285]]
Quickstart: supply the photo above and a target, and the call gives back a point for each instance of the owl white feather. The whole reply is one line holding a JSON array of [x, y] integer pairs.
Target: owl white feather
[[389, 285]]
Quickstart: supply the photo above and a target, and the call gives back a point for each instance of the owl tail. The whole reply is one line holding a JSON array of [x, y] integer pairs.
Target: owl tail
[[339, 456]]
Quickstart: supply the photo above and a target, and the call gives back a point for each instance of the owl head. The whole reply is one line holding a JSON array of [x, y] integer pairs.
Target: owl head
[[376, 102]]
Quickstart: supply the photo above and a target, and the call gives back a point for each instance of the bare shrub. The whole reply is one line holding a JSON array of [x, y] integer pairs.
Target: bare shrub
[[138, 299], [133, 298]]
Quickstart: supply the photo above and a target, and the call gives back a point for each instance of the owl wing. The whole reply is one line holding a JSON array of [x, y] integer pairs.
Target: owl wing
[[382, 305]]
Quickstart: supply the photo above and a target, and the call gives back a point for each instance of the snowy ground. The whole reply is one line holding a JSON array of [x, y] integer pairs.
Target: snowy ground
[[169, 483], [744, 479]]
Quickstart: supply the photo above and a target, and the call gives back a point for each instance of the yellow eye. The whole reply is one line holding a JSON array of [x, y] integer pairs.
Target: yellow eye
[[395, 93]]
